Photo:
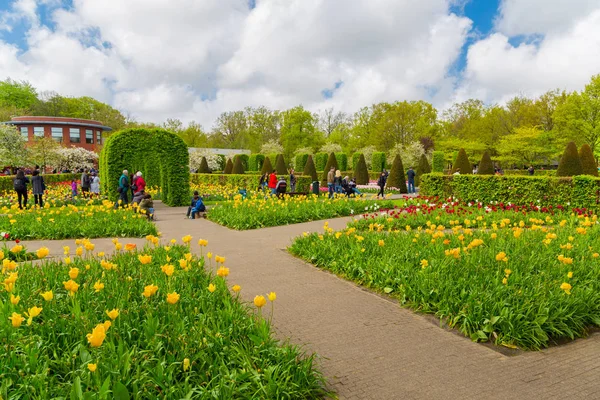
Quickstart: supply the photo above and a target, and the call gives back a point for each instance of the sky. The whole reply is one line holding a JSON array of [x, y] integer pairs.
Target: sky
[[194, 59]]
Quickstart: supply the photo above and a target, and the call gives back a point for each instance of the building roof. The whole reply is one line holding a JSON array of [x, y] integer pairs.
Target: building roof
[[225, 152], [39, 120]]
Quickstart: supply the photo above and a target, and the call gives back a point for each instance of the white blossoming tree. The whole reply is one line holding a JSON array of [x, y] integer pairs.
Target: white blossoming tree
[[213, 160], [75, 158]]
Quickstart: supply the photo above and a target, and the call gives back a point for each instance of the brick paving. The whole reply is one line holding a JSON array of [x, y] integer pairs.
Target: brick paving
[[370, 347]]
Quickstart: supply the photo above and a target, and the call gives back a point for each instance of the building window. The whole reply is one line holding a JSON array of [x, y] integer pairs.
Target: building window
[[25, 132], [57, 134], [98, 137], [38, 131], [75, 135], [89, 136]]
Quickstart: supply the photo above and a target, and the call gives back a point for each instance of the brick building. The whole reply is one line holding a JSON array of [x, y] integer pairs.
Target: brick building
[[66, 131]]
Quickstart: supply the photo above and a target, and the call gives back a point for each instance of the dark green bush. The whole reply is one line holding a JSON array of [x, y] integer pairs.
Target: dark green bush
[[397, 177], [267, 168], [439, 162], [321, 161], [462, 163], [280, 165], [486, 167], [204, 168], [355, 158], [244, 158], [378, 161], [238, 167], [588, 162], [310, 170], [331, 162], [360, 171], [161, 155], [228, 167], [570, 163], [255, 162], [342, 160], [301, 161], [422, 169]]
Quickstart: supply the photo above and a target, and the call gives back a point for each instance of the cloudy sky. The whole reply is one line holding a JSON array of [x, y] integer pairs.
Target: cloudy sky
[[193, 59]]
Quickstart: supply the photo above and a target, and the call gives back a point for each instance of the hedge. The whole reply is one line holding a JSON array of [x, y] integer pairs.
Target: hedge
[[6, 182], [342, 160], [439, 162], [320, 161], [161, 155], [300, 161], [523, 172], [378, 161], [244, 158], [246, 181], [355, 158], [579, 191], [255, 162]]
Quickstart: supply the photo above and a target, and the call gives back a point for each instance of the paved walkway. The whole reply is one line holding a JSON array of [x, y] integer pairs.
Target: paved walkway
[[370, 347]]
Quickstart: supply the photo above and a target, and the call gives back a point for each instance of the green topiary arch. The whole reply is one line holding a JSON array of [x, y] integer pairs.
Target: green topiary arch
[[161, 155]]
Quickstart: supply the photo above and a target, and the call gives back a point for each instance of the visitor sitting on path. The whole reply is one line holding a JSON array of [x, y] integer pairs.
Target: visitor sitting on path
[[195, 198], [147, 206], [198, 208], [352, 186], [138, 197]]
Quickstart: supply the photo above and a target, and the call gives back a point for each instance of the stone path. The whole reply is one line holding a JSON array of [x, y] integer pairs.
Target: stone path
[[370, 347]]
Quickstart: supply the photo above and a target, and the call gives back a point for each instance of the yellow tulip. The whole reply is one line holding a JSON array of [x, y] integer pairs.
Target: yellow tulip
[[212, 288], [73, 273], [1, 255], [172, 298], [98, 286], [150, 290], [42, 252], [101, 254], [260, 301], [202, 242], [183, 263], [566, 287], [47, 295], [17, 248], [424, 263], [188, 256], [89, 246], [145, 259], [118, 246], [186, 239], [236, 288], [209, 255], [34, 311], [67, 260], [223, 271], [272, 296], [129, 247], [570, 274], [71, 286], [97, 336], [14, 299], [186, 364], [168, 269], [66, 250], [79, 251], [16, 319], [92, 367], [113, 314]]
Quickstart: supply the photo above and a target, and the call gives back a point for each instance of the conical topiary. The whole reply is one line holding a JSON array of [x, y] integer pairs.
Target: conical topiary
[[486, 167], [331, 162], [310, 170], [462, 163], [238, 167], [228, 167], [570, 163], [397, 178], [361, 173], [588, 162], [204, 169], [280, 165], [267, 168], [422, 169]]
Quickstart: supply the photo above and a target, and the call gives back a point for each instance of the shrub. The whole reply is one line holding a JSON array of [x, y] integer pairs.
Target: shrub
[[422, 169], [255, 162], [228, 167], [360, 172], [462, 163], [321, 161], [331, 162], [570, 163], [204, 169], [588, 162], [486, 167], [310, 170], [244, 158], [238, 167], [6, 182], [267, 167], [397, 178], [248, 181], [342, 160], [378, 161], [280, 165], [439, 161], [165, 162], [355, 158], [300, 161], [222, 162]]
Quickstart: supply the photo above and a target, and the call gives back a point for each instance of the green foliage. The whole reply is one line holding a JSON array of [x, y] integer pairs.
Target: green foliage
[[331, 162], [298, 130], [228, 167], [355, 158], [267, 168], [321, 161], [244, 158], [13, 152], [360, 172], [222, 161], [422, 169], [588, 162], [486, 167], [527, 146], [204, 169], [20, 95], [280, 165], [397, 177], [310, 170], [161, 155], [238, 167], [301, 161], [462, 163], [342, 160], [570, 163], [378, 163], [439, 161], [255, 162], [247, 181]]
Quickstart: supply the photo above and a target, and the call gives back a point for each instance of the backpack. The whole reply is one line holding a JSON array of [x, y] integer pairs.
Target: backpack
[[19, 185]]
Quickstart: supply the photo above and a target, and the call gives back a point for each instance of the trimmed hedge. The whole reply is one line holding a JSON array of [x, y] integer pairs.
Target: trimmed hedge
[[422, 169], [320, 161], [579, 191], [228, 167], [355, 158], [397, 178], [6, 182], [361, 173], [462, 164], [378, 161], [588, 162], [280, 165], [255, 162], [570, 164], [238, 167], [161, 155], [331, 162], [204, 168], [537, 172], [342, 160], [310, 170], [439, 162], [300, 161], [486, 167], [244, 158], [247, 181]]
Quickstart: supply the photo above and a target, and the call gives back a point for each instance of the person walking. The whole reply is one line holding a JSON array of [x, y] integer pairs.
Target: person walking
[[292, 181], [85, 183], [95, 185], [20, 185], [381, 184], [331, 181], [123, 189], [39, 186], [411, 180], [140, 183], [273, 182], [262, 182], [132, 183]]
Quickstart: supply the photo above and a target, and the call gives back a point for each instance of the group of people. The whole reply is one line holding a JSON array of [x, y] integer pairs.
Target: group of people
[[90, 183], [38, 185], [411, 174], [337, 184], [277, 185], [137, 186]]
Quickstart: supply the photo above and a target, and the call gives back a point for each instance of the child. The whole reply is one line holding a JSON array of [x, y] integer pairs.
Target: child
[[198, 207], [147, 206], [194, 200], [73, 188]]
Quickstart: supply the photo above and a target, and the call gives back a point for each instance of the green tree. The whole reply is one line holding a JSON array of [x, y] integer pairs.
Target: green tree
[[309, 169], [44, 152], [526, 146], [403, 122], [228, 167], [423, 168], [280, 165], [588, 162], [570, 163], [361, 173], [397, 178], [230, 131], [264, 125], [439, 161], [13, 151], [20, 95], [238, 166], [486, 167], [462, 163], [298, 130], [204, 169], [267, 167], [331, 162]]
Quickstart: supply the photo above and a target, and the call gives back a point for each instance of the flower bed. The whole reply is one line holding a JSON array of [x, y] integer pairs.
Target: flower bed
[[74, 222], [515, 287], [260, 212], [152, 324]]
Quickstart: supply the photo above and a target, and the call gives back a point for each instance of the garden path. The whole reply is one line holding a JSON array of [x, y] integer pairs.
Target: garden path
[[370, 347]]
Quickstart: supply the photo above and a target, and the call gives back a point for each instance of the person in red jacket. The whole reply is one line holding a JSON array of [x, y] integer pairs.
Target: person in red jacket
[[273, 182], [140, 183]]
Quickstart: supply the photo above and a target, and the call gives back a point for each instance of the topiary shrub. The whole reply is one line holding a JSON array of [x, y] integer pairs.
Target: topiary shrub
[[486, 167], [342, 160], [361, 173], [378, 163], [570, 163], [462, 163], [397, 178], [244, 158], [280, 165], [310, 170], [588, 162], [439, 162], [321, 161], [331, 162], [238, 167], [255, 162], [355, 158], [300, 161], [267, 167], [422, 169], [165, 162], [204, 168], [228, 167]]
